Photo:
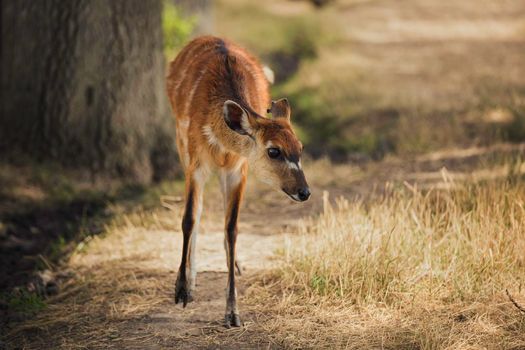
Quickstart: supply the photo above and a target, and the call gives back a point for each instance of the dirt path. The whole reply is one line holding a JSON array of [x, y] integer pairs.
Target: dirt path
[[200, 323], [120, 293]]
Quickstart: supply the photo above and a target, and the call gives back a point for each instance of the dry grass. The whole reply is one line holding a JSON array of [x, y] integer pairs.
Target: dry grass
[[401, 268], [411, 269]]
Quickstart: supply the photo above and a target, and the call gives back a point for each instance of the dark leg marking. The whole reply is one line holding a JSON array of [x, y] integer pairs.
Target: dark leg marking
[[182, 291], [232, 317]]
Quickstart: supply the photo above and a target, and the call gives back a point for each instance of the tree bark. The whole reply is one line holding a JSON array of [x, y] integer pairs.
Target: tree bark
[[83, 84]]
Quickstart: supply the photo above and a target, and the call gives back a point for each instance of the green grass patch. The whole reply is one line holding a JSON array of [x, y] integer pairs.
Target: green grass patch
[[176, 28], [24, 302]]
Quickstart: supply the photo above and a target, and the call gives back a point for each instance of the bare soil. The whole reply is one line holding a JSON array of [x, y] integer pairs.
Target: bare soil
[[120, 294]]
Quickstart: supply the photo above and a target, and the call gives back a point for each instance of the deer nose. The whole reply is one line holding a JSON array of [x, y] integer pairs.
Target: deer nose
[[303, 194]]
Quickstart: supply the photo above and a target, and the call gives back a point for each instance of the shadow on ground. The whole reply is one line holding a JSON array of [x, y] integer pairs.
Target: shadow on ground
[[41, 223]]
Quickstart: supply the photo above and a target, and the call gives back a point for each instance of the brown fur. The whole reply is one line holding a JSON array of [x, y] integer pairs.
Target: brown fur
[[219, 94], [201, 66]]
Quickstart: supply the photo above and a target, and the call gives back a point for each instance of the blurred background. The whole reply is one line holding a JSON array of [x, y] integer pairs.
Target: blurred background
[[85, 123], [372, 78], [83, 82]]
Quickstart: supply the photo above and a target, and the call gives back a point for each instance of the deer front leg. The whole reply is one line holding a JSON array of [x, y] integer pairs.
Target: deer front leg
[[234, 182], [225, 179], [190, 225]]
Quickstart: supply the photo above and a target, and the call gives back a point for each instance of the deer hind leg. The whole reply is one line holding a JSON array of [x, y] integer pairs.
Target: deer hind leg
[[195, 180], [233, 183]]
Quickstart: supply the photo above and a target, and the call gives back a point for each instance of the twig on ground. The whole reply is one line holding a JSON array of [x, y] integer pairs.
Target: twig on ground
[[518, 306]]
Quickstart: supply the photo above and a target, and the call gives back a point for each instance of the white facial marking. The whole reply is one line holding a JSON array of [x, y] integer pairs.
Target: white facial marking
[[293, 165]]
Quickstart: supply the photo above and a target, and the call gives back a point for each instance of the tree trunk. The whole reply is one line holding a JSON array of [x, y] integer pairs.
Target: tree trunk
[[83, 84]]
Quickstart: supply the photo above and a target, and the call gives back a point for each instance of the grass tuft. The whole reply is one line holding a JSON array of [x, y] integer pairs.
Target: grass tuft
[[409, 269]]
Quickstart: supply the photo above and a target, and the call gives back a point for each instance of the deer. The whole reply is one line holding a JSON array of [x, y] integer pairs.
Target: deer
[[219, 95]]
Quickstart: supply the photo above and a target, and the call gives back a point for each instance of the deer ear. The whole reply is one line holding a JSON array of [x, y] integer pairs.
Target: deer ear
[[280, 109], [237, 118]]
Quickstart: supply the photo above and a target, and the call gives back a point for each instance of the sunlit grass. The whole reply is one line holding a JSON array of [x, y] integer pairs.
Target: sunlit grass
[[457, 245], [400, 268], [409, 269]]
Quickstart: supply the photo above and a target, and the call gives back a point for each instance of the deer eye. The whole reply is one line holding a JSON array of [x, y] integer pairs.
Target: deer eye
[[274, 153]]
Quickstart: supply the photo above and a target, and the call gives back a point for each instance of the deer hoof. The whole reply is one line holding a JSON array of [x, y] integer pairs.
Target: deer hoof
[[232, 320], [182, 293]]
